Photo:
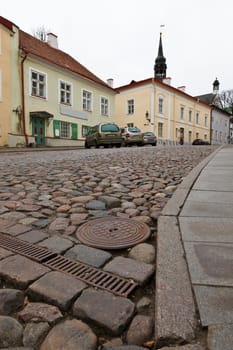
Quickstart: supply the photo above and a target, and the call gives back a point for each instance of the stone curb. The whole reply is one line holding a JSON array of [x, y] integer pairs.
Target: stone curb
[[176, 319]]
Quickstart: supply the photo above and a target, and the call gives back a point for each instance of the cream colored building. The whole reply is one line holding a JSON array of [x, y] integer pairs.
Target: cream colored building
[[50, 98], [154, 105]]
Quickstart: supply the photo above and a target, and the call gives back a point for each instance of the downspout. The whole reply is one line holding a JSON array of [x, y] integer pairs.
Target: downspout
[[23, 98]]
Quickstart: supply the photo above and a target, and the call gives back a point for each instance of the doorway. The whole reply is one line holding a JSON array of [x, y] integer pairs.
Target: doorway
[[38, 130]]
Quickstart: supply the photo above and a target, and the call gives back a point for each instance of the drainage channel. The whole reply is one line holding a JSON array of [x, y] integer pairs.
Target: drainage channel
[[86, 273]]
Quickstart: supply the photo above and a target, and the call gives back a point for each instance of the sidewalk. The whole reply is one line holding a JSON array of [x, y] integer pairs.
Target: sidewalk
[[194, 279]]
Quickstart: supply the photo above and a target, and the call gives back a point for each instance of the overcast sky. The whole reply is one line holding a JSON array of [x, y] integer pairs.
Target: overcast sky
[[119, 39]]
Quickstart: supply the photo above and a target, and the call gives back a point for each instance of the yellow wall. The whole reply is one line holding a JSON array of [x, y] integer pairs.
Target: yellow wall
[[51, 103], [146, 98]]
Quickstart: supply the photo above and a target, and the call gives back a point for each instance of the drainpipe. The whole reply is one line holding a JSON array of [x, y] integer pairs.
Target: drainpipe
[[22, 98]]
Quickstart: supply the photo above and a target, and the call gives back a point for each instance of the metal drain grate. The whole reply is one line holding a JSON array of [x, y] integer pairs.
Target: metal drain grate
[[86, 273], [93, 276], [36, 253]]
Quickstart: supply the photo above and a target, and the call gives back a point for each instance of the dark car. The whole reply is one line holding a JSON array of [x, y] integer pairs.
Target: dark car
[[200, 142], [149, 138]]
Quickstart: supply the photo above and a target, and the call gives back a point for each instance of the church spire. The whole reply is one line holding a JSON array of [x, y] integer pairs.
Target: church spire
[[160, 66]]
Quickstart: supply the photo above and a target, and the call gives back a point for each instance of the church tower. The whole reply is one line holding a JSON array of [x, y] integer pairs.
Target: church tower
[[216, 86], [160, 66]]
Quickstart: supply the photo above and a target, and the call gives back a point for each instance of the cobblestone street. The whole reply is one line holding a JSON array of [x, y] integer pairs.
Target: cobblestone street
[[45, 197]]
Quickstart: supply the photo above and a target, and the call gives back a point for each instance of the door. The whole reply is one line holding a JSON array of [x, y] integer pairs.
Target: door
[[38, 130]]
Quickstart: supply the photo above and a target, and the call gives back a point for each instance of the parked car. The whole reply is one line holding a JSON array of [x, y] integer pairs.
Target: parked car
[[200, 142], [149, 138], [104, 134], [131, 136]]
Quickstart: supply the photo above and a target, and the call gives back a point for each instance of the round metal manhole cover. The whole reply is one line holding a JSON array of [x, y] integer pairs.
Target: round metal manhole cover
[[112, 233]]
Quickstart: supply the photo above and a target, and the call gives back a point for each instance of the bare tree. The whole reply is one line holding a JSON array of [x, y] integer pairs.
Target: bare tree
[[224, 100], [40, 33]]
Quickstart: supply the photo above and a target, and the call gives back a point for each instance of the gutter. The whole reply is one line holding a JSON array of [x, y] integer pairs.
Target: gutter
[[23, 98]]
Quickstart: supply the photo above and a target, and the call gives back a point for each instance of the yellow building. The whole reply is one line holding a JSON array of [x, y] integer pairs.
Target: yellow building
[[9, 79], [152, 105], [54, 99]]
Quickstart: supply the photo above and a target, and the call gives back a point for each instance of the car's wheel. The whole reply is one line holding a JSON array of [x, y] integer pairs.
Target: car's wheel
[[86, 145], [96, 144]]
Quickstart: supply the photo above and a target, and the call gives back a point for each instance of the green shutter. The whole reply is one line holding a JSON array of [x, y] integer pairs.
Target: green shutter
[[56, 128], [74, 128]]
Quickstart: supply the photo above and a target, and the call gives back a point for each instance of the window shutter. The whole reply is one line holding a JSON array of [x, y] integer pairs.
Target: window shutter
[[56, 128], [74, 128]]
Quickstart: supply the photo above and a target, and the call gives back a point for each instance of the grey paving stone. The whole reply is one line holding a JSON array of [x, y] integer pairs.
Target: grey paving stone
[[16, 230], [10, 300], [104, 309], [211, 197], [56, 244], [88, 255], [34, 333], [210, 263], [205, 209], [220, 337], [11, 332], [21, 271], [5, 253], [56, 288], [130, 268], [206, 229], [215, 304], [175, 313], [70, 335], [33, 236], [40, 312], [186, 347]]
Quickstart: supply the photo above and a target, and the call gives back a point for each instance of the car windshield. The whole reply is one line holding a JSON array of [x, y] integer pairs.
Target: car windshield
[[134, 129], [109, 128]]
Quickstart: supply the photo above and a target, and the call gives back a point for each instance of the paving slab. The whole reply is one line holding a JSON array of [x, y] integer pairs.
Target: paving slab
[[215, 304], [175, 313], [104, 309], [21, 271], [88, 255], [56, 244], [220, 337], [211, 197], [206, 229], [210, 263], [207, 209], [33, 236], [57, 288], [130, 268], [16, 230], [213, 185], [5, 253]]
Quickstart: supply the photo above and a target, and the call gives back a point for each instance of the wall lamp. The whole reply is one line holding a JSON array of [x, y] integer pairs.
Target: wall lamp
[[18, 110], [147, 116]]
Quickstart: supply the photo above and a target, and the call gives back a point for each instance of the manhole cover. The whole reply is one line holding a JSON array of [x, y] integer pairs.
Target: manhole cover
[[112, 233]]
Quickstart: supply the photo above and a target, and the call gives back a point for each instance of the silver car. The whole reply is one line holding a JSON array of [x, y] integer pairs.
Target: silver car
[[131, 136]]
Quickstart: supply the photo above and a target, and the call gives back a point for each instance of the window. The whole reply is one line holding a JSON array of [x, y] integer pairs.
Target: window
[[85, 130], [65, 129], [205, 137], [160, 129], [197, 135], [206, 120], [181, 113], [190, 116], [65, 93], [87, 101], [130, 106], [161, 105], [38, 84], [197, 118], [104, 106]]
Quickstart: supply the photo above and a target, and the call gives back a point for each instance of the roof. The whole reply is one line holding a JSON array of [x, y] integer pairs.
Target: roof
[[8, 24], [207, 98], [134, 84], [43, 50]]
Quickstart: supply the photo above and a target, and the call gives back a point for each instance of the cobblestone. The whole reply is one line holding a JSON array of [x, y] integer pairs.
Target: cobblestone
[[45, 196]]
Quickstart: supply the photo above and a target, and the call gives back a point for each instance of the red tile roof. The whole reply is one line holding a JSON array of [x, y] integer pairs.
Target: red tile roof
[[43, 50]]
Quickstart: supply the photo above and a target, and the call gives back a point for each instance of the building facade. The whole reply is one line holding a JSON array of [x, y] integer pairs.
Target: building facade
[[53, 99], [154, 105]]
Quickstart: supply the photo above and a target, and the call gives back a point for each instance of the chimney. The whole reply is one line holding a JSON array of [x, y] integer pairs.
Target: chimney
[[110, 82], [52, 40], [182, 88]]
